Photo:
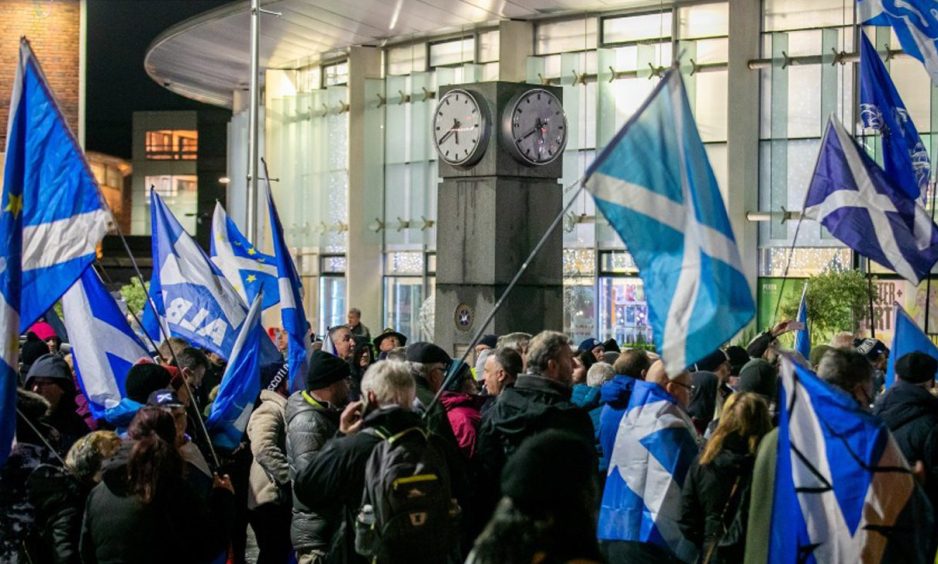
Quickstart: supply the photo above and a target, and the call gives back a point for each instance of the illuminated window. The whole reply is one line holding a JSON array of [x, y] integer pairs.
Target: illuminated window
[[333, 75], [172, 145], [453, 52]]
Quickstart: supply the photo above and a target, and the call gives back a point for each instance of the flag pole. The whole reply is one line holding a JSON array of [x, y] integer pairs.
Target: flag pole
[[934, 193], [869, 279], [194, 402], [129, 310], [453, 369]]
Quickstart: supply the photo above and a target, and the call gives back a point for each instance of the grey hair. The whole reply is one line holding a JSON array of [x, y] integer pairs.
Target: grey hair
[[391, 383], [355, 310], [398, 354], [845, 369], [844, 339], [510, 360], [598, 374], [544, 347], [332, 330], [517, 341]]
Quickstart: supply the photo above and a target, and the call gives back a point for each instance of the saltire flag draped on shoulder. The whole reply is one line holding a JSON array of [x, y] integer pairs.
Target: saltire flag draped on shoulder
[[291, 303], [654, 448], [843, 490], [904, 156], [856, 201], [803, 336], [654, 184], [52, 217], [249, 270], [104, 347], [906, 338], [915, 24], [240, 384]]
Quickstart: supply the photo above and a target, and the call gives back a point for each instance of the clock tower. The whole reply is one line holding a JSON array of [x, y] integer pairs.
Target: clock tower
[[500, 148]]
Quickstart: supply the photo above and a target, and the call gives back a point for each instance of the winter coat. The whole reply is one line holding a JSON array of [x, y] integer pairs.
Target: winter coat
[[911, 413], [334, 479], [465, 416], [703, 400], [309, 425], [614, 396], [68, 423], [706, 505], [585, 397], [58, 499], [176, 526], [270, 473]]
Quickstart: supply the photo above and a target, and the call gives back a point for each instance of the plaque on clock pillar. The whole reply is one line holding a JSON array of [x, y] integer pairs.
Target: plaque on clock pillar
[[500, 148]]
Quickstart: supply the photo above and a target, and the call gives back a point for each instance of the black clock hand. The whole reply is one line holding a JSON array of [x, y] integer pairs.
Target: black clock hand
[[445, 137], [537, 127], [452, 131]]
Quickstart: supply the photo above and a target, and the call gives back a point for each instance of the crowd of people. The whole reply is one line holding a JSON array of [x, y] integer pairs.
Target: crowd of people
[[389, 451]]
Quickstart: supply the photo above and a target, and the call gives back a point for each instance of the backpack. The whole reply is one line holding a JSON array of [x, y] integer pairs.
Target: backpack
[[407, 512]]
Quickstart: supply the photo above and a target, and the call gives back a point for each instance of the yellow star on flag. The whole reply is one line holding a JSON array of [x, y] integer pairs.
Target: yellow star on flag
[[252, 251], [251, 278], [14, 205]]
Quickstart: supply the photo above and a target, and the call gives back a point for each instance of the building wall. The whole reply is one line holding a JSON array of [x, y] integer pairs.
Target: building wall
[[53, 30]]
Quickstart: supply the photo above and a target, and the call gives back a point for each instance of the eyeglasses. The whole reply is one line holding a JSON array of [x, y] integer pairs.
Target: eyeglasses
[[690, 387]]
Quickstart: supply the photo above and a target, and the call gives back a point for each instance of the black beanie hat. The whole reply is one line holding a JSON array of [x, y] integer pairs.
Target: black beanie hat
[[738, 358], [426, 353], [710, 362], [32, 350], [916, 367], [325, 369], [145, 378], [760, 377], [544, 461]]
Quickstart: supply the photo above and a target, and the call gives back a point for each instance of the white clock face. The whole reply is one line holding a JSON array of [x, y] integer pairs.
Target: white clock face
[[460, 128], [536, 127]]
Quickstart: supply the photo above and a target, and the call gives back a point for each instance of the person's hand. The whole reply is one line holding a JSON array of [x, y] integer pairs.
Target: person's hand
[[780, 328], [223, 482], [919, 472], [351, 419]]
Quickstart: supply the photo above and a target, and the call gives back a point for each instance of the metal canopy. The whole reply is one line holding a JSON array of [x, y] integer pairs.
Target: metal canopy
[[207, 57]]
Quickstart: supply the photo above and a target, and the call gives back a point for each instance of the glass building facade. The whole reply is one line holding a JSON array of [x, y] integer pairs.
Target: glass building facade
[[606, 63]]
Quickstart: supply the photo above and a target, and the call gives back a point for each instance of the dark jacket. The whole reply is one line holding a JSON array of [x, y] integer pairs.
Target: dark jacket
[[614, 395], [707, 489], [58, 499], [68, 423], [911, 413], [176, 526], [310, 424], [334, 479]]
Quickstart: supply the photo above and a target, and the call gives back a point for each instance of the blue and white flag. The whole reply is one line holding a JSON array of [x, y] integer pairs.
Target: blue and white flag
[[192, 297], [855, 200], [842, 486], [915, 23], [654, 184], [240, 385], [291, 303], [904, 156], [248, 270], [906, 338], [52, 218], [654, 448], [104, 346], [803, 336]]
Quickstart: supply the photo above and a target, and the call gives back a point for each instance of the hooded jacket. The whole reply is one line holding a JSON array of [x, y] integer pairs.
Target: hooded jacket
[[614, 395], [270, 472], [309, 425], [465, 416]]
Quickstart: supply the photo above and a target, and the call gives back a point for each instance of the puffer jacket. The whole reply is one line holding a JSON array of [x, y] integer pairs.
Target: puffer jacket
[[59, 501], [464, 414], [269, 480], [309, 425], [614, 396]]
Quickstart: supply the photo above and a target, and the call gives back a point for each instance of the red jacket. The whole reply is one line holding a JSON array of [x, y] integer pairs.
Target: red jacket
[[463, 412]]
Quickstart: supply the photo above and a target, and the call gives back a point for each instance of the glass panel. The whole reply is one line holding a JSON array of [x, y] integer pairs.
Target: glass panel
[[805, 261], [623, 311], [331, 302], [407, 59], [452, 52], [335, 74], [403, 300], [717, 153], [637, 28], [579, 308], [617, 263], [799, 14], [566, 35], [404, 263], [181, 194], [332, 264], [172, 145], [706, 20], [488, 46], [579, 262], [710, 104]]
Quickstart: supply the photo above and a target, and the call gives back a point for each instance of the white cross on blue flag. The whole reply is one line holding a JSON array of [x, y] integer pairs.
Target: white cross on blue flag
[[655, 186]]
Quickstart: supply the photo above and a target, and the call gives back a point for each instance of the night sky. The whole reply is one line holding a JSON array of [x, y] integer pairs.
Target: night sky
[[119, 32]]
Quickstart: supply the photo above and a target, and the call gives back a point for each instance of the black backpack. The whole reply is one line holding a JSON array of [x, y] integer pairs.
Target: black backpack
[[412, 516]]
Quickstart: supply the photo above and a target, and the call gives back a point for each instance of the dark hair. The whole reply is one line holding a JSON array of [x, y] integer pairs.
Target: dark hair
[[191, 358], [153, 458], [845, 369], [632, 362], [510, 361], [587, 358]]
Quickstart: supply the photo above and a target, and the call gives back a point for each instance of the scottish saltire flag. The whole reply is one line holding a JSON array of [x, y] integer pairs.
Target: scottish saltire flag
[[291, 303], [904, 156], [654, 448], [915, 23], [248, 270], [803, 336], [906, 338], [104, 347], [857, 202], [843, 490], [192, 297], [240, 384], [654, 184]]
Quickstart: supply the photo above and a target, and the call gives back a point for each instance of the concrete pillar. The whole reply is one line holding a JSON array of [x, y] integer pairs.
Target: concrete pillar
[[742, 192], [515, 45], [365, 188]]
